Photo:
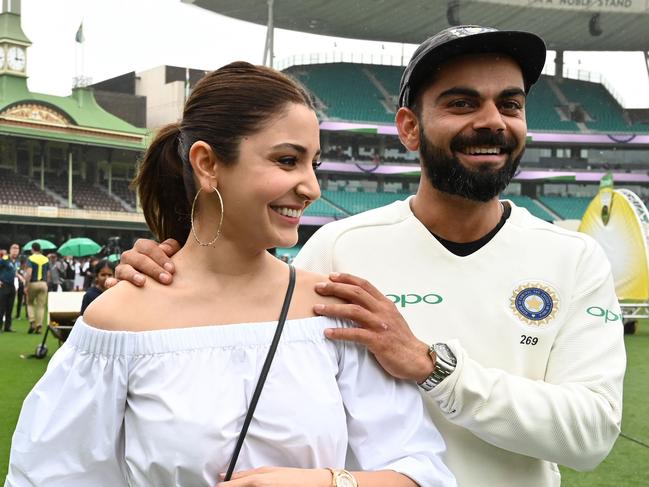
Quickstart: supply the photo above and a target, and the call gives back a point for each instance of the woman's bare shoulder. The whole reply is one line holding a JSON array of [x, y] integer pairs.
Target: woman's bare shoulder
[[306, 283], [124, 307]]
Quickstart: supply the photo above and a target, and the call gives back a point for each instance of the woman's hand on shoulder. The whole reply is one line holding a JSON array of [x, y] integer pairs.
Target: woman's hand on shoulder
[[280, 477]]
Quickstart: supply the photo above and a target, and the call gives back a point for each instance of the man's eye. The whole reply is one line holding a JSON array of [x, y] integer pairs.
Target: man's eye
[[511, 105], [461, 104]]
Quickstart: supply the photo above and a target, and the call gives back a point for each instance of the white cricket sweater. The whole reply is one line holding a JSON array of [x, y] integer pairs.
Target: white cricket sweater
[[533, 320]]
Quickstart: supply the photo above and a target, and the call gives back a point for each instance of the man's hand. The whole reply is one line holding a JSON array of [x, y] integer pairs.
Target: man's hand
[[381, 328], [146, 257], [280, 477]]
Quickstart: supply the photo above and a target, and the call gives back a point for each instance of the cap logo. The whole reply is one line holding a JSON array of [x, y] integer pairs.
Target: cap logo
[[470, 30]]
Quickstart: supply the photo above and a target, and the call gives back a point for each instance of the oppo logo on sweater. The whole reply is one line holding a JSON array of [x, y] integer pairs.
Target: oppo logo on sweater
[[404, 300]]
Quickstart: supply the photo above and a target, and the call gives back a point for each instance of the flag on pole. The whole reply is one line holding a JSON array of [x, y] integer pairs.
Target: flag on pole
[[79, 36]]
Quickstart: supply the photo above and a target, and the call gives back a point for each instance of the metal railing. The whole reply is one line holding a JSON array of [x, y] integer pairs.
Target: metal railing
[[56, 212]]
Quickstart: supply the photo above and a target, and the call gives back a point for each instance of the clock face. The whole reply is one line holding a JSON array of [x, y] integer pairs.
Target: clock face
[[2, 57], [16, 58]]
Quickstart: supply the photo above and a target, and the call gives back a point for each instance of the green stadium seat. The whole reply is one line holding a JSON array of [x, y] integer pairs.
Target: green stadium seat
[[567, 207], [531, 205], [357, 202]]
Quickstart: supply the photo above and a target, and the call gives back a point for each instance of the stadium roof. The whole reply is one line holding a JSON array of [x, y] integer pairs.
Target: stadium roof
[[568, 25]]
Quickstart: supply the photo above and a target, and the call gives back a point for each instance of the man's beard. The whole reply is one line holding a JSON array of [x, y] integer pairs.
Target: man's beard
[[446, 173]]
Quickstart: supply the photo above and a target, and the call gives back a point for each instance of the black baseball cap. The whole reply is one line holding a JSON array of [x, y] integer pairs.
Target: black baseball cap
[[527, 49]]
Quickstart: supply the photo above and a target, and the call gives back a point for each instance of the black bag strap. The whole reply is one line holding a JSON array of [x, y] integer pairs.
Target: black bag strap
[[264, 373]]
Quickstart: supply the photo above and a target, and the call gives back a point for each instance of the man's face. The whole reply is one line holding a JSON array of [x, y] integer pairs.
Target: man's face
[[472, 126], [14, 250]]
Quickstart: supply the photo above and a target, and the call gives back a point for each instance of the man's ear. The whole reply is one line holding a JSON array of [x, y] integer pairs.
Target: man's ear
[[204, 163], [408, 128]]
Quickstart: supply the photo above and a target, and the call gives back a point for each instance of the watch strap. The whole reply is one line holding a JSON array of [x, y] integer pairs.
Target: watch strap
[[443, 368]]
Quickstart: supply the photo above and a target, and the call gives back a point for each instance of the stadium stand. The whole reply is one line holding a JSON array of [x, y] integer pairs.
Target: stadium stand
[[601, 111], [541, 111], [84, 195], [121, 189], [322, 207], [16, 189], [368, 93], [531, 205], [345, 90], [567, 207], [604, 112], [356, 202]]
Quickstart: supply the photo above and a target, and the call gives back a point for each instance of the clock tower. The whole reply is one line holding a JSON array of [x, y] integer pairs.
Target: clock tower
[[13, 41]]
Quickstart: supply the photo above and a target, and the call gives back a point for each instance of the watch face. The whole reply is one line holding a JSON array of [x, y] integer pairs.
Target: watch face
[[345, 480], [444, 352], [16, 58]]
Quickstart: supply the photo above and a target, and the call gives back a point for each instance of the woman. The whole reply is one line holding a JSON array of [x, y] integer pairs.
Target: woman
[[161, 376], [101, 271]]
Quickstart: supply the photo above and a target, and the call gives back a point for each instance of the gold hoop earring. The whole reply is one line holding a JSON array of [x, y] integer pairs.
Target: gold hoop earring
[[191, 217]]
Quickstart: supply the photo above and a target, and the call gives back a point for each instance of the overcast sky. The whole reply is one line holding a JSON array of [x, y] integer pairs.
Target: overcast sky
[[134, 35]]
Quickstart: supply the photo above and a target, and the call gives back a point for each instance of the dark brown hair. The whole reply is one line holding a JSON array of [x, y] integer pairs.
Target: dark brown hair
[[226, 105]]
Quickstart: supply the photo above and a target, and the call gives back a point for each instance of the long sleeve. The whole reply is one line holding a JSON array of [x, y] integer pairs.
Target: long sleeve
[[573, 416], [70, 429], [389, 427]]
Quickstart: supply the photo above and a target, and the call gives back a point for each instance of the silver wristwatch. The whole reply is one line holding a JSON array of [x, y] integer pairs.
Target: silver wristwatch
[[445, 363]]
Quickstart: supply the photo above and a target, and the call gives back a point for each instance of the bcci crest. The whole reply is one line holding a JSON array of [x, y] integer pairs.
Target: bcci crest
[[534, 304]]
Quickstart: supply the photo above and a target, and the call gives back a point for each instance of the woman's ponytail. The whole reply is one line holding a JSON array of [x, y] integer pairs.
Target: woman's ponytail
[[160, 184]]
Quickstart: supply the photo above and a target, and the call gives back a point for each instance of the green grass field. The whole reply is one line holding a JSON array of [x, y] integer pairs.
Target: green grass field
[[626, 466]]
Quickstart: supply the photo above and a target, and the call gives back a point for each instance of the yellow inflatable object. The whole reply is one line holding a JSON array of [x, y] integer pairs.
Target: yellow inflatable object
[[619, 221]]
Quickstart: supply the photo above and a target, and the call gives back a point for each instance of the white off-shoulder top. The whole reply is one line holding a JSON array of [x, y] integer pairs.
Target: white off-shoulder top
[[164, 408]]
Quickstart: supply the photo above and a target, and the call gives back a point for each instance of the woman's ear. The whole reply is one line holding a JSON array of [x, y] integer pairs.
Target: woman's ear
[[204, 163], [408, 128]]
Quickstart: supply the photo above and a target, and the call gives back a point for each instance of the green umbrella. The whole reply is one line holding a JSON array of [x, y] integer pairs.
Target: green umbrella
[[114, 258], [45, 244], [79, 247]]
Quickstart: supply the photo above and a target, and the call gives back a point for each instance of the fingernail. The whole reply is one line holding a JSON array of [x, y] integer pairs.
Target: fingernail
[[164, 277], [334, 274], [328, 332], [169, 267], [318, 308], [320, 285], [139, 278]]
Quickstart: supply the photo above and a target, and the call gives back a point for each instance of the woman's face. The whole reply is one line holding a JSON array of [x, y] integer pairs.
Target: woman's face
[[268, 188], [103, 274]]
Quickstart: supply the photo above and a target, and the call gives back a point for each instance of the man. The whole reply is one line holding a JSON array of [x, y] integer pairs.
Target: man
[[37, 278], [9, 265], [484, 305], [57, 272]]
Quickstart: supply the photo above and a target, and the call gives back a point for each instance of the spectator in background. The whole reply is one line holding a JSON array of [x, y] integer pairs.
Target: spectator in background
[[38, 269], [8, 269], [78, 275], [55, 281], [88, 274], [68, 271], [21, 298], [101, 271]]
